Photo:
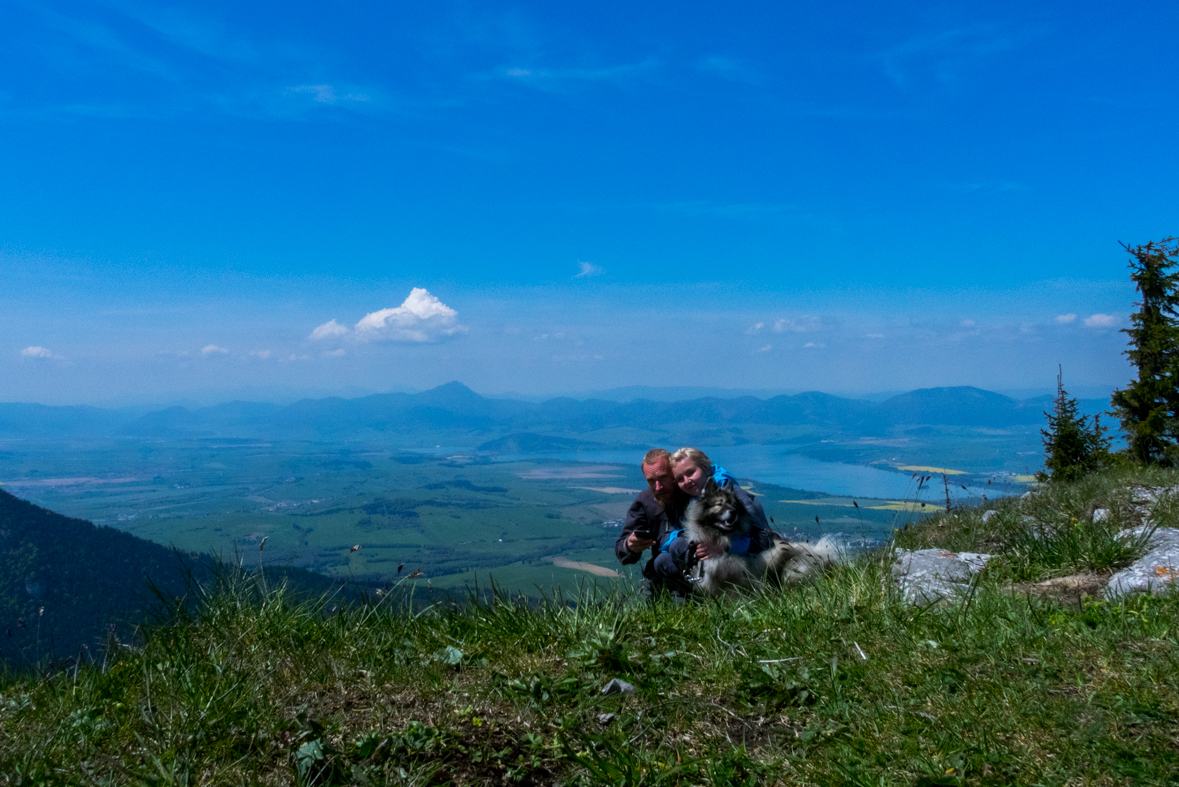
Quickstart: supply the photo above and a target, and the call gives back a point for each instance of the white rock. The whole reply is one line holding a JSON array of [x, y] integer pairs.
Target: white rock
[[989, 515], [1144, 494], [1101, 514], [1035, 529], [927, 575], [617, 686], [1154, 572]]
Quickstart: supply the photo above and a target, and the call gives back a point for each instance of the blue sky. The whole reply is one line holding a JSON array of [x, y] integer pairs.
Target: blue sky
[[849, 197]]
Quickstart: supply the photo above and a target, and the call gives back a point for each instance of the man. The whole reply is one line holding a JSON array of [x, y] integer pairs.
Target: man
[[651, 517]]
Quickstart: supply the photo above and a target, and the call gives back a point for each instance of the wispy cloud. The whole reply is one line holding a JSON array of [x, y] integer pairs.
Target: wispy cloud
[[327, 94], [212, 349], [806, 324], [183, 29], [765, 348], [946, 54], [966, 329], [755, 328], [728, 68], [1065, 319], [587, 269], [37, 352], [547, 78], [98, 36], [204, 65]]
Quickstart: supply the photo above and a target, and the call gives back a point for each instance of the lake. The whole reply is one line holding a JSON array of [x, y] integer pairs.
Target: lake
[[774, 464]]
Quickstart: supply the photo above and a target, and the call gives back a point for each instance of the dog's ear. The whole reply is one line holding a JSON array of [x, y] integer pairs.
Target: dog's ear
[[710, 487]]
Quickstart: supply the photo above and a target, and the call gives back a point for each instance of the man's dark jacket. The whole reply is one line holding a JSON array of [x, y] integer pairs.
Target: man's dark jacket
[[650, 520]]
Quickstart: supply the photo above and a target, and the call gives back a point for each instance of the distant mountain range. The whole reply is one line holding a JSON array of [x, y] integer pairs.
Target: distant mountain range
[[454, 414]]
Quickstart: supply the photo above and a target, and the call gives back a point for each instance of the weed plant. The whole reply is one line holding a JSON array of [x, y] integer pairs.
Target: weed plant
[[839, 682]]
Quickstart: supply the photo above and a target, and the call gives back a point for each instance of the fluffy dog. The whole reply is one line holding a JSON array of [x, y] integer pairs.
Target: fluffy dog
[[717, 518]]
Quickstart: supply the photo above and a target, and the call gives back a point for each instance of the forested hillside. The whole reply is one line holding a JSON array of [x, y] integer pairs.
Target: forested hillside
[[64, 582]]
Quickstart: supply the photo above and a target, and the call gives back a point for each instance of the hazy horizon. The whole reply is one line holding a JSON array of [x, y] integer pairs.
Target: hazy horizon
[[281, 396]]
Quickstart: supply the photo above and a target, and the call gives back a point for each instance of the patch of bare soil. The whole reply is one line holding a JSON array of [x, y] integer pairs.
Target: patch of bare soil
[[1067, 590], [594, 472], [598, 571]]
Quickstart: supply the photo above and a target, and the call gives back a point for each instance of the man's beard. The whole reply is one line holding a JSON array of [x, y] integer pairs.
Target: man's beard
[[666, 499]]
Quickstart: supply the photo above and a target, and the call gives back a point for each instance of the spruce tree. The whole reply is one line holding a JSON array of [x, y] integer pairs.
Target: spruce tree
[[1073, 446], [1149, 406]]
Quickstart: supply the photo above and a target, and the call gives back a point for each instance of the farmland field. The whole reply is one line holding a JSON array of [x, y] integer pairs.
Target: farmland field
[[458, 518]]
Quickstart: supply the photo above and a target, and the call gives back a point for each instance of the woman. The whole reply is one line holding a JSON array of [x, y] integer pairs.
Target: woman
[[692, 469]]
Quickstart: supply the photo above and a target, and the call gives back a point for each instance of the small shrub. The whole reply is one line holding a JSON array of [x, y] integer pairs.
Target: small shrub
[[1074, 445]]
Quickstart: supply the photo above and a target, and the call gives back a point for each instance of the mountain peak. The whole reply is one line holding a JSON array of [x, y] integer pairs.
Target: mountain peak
[[452, 387], [452, 394]]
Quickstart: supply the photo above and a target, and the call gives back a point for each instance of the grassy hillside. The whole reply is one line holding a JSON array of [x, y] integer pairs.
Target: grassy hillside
[[837, 683]]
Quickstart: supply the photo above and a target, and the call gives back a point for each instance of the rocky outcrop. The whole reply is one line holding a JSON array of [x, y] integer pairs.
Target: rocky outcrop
[[925, 576], [1155, 571]]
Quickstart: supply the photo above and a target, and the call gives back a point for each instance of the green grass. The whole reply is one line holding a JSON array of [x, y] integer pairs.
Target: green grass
[[836, 683], [1052, 532]]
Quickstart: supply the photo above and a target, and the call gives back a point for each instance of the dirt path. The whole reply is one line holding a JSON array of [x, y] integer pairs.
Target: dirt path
[[1068, 590], [598, 571]]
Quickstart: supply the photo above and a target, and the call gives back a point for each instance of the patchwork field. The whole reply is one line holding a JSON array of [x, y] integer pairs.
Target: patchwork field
[[459, 519]]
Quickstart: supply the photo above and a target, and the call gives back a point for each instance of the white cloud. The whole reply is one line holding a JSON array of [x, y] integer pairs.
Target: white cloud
[[212, 349], [755, 328], [263, 354], [800, 325], [818, 345], [328, 330], [333, 353], [765, 349], [874, 335], [587, 269], [1100, 321], [36, 352], [967, 323], [1065, 319], [420, 318]]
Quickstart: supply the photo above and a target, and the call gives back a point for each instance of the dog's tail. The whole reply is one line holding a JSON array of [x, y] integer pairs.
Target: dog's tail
[[802, 562], [828, 550]]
